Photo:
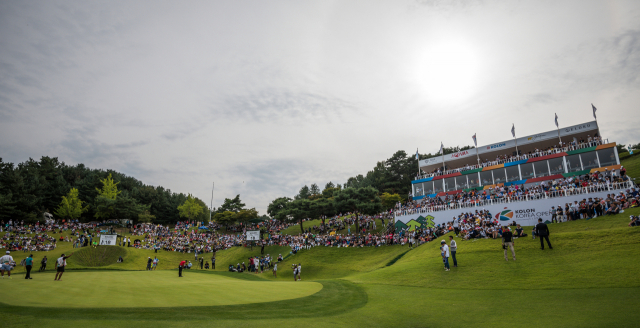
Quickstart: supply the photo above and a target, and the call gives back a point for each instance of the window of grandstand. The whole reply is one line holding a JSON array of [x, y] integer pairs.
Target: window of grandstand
[[461, 182], [499, 176], [607, 157], [526, 171], [486, 177], [556, 165], [428, 188], [450, 184], [573, 163], [418, 189], [473, 180], [589, 160], [513, 173], [437, 186], [541, 168]]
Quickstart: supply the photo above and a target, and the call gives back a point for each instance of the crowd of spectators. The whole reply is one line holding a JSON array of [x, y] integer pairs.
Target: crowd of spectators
[[593, 182]]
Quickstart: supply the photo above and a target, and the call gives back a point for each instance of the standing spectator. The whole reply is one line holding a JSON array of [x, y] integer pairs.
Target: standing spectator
[[454, 248], [61, 263], [445, 255], [507, 243], [43, 264], [28, 265], [299, 271], [275, 270], [5, 263], [213, 263], [543, 232]]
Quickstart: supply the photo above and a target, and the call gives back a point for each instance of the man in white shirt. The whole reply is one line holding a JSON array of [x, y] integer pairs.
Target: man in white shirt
[[445, 255], [60, 264], [454, 248], [5, 264]]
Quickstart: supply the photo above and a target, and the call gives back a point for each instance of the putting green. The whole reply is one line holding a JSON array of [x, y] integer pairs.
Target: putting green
[[147, 289]]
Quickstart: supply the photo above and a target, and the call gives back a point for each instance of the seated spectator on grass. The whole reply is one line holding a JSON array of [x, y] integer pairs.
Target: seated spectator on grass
[[520, 232], [635, 221]]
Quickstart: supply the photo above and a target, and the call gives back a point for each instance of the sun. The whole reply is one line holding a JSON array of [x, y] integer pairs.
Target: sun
[[449, 72]]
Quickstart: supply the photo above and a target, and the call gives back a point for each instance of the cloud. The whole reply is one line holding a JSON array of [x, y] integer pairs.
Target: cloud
[[272, 104]]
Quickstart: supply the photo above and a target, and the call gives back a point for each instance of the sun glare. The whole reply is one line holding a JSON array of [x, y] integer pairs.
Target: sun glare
[[449, 73]]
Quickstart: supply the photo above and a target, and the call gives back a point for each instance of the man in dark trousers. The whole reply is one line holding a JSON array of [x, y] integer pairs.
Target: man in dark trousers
[[180, 267], [543, 232]]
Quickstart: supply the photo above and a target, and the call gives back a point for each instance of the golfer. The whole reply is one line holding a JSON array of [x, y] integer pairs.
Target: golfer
[[5, 265], [275, 270], [445, 255], [28, 265], [180, 267], [61, 263]]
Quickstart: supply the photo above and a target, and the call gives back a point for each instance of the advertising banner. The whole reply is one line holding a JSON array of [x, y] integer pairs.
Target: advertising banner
[[109, 240], [524, 213]]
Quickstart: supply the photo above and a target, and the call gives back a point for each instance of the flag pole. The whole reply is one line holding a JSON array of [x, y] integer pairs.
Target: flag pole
[[558, 127], [594, 116], [443, 167], [211, 208], [513, 129], [475, 143]]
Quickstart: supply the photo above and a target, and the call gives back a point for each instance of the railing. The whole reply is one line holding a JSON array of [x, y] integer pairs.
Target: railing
[[518, 198], [516, 158]]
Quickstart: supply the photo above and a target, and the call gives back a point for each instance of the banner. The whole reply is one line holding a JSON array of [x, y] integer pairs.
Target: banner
[[109, 240], [253, 235], [525, 213]]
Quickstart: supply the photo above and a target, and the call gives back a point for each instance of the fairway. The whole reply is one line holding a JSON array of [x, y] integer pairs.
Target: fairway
[[113, 289]]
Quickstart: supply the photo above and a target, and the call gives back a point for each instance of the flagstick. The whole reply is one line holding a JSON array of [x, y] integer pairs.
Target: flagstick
[[559, 136], [516, 140]]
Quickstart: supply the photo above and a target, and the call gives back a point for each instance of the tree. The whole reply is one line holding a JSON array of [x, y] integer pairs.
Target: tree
[[245, 216], [390, 200], [298, 210], [109, 188], [314, 190], [358, 200], [322, 208], [277, 208], [232, 205], [146, 217], [70, 207], [225, 218], [329, 185], [190, 209], [304, 193]]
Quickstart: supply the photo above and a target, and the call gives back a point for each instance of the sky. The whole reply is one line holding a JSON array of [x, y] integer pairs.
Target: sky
[[263, 97]]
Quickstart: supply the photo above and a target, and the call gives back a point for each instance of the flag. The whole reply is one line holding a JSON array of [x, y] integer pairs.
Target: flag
[[441, 151], [475, 142], [513, 130], [557, 121], [417, 157], [594, 111]]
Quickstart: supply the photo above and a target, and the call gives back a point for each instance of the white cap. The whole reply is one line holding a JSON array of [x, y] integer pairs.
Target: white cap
[[8, 252]]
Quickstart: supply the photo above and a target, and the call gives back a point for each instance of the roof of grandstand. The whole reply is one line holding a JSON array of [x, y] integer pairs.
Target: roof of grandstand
[[525, 144]]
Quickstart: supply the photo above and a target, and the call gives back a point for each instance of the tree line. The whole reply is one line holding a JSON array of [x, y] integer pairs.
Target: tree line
[[29, 189]]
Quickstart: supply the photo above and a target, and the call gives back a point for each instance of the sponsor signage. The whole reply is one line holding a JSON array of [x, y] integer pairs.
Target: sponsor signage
[[499, 145], [524, 213], [109, 240], [253, 235], [460, 154]]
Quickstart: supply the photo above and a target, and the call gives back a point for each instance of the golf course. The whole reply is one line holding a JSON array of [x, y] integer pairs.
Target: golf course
[[589, 279]]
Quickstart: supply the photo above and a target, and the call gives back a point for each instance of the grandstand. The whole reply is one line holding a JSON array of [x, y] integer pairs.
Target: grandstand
[[540, 158]]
